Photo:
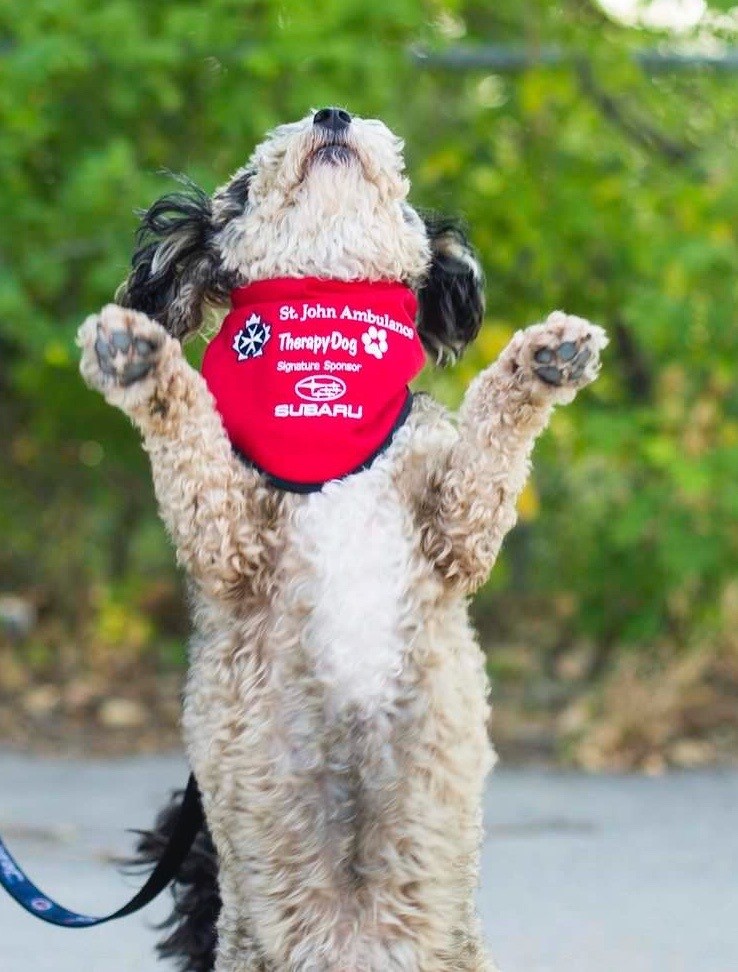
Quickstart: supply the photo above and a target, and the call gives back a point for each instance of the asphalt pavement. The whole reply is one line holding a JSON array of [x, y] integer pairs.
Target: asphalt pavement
[[580, 873]]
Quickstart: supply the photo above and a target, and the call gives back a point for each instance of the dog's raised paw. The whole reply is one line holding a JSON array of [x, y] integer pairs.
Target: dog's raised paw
[[565, 351], [120, 347], [559, 366]]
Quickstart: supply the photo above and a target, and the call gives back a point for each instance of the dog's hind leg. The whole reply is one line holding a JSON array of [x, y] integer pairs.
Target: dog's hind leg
[[222, 520], [196, 927], [469, 951], [470, 500], [237, 950]]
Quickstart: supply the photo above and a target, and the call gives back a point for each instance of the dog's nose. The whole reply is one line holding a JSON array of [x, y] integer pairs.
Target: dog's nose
[[334, 119]]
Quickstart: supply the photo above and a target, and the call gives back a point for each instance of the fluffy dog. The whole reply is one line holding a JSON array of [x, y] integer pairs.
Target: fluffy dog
[[336, 706]]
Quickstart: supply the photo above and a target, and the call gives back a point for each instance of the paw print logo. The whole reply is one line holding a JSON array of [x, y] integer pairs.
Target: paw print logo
[[375, 342], [251, 340]]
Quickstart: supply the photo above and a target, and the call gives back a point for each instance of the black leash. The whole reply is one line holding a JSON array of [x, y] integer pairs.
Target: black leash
[[28, 896]]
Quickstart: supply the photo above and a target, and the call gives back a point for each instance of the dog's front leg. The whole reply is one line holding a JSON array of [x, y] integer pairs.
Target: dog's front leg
[[222, 521], [471, 503]]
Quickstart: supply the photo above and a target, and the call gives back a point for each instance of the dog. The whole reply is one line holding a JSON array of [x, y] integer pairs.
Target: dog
[[336, 707]]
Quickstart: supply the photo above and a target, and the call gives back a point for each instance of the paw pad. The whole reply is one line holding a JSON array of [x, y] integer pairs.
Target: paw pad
[[564, 363], [124, 357]]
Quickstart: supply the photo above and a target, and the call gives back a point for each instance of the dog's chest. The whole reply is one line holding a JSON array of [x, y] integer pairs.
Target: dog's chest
[[352, 542]]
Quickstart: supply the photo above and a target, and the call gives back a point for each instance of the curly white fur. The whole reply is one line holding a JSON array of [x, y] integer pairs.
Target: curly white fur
[[352, 537]]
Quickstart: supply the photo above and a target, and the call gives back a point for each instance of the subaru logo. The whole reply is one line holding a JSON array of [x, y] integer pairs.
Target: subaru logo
[[320, 388]]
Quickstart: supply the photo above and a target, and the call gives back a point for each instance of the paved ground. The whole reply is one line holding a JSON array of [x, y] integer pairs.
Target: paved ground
[[580, 874]]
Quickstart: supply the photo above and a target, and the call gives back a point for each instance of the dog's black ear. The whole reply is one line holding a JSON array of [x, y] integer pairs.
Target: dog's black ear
[[451, 298], [176, 265], [231, 199]]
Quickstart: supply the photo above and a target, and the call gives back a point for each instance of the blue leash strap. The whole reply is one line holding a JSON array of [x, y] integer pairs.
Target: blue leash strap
[[28, 896]]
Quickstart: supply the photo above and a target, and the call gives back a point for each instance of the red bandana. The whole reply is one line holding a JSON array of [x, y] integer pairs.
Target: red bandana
[[310, 376]]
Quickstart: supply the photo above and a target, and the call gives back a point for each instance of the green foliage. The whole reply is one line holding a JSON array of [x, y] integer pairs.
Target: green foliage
[[589, 185]]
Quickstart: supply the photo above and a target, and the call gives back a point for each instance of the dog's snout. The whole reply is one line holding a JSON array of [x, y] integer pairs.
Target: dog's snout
[[334, 119]]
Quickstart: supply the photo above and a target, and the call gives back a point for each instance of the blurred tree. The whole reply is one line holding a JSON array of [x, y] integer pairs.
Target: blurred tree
[[590, 183]]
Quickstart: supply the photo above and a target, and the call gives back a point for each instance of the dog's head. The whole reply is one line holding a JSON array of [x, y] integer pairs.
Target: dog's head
[[326, 197]]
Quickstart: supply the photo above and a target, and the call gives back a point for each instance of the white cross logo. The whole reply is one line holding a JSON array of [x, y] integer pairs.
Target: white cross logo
[[251, 340]]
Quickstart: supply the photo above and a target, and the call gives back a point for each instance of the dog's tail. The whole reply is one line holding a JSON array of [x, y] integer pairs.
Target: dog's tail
[[191, 933]]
